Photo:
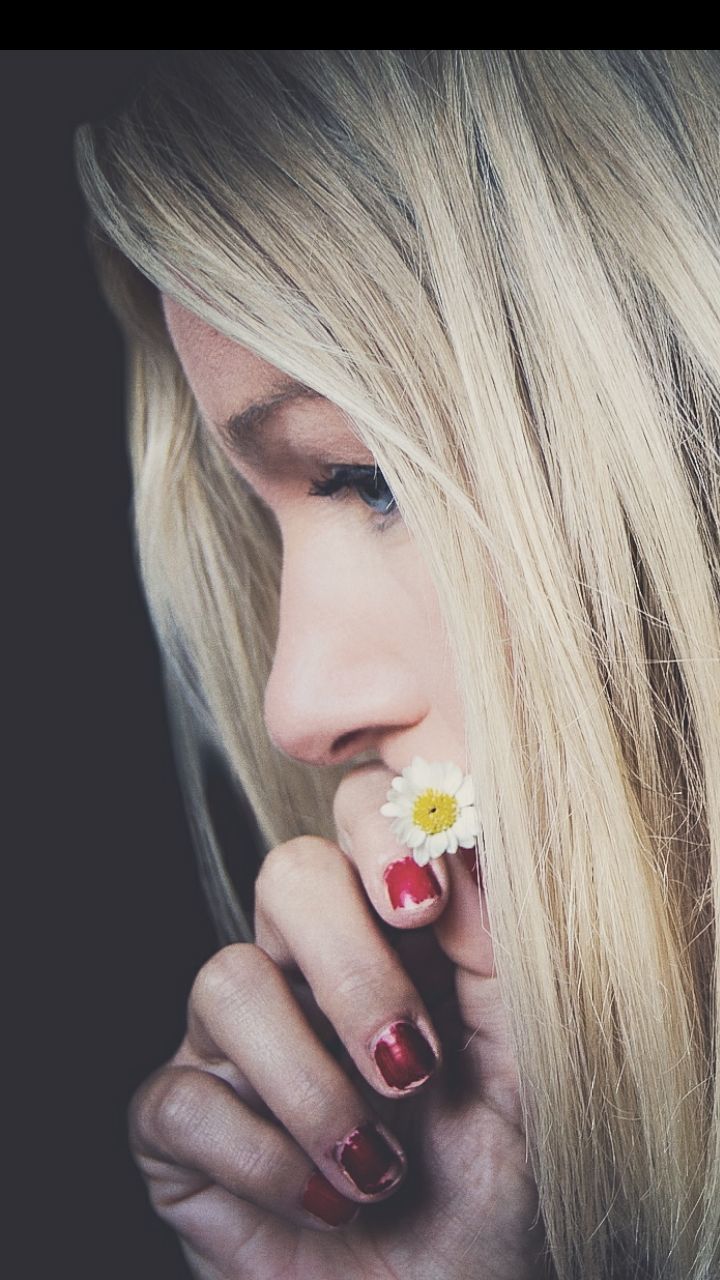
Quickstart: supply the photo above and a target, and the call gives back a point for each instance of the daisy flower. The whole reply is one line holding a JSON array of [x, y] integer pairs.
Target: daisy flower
[[434, 809]]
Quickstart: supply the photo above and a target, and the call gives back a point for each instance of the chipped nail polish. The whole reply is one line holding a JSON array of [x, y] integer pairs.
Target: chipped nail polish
[[403, 1055], [369, 1160], [409, 885]]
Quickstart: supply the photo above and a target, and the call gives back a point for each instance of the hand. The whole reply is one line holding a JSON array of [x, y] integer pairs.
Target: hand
[[274, 1118]]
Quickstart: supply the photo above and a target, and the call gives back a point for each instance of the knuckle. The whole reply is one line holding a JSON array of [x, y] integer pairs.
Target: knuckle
[[180, 1113], [139, 1118], [288, 867], [272, 873], [165, 1112], [225, 975]]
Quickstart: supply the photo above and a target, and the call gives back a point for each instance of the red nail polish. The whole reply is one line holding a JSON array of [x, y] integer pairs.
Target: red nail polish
[[408, 884], [403, 1055], [369, 1160], [322, 1200]]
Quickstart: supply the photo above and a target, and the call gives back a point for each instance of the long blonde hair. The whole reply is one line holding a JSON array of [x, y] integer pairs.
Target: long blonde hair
[[504, 265]]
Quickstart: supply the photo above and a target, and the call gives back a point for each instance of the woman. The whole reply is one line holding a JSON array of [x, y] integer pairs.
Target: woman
[[425, 379]]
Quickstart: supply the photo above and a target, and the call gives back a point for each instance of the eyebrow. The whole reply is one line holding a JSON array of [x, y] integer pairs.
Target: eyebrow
[[241, 431]]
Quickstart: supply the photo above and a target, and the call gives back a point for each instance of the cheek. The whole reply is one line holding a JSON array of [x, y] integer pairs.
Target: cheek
[[413, 601], [441, 681]]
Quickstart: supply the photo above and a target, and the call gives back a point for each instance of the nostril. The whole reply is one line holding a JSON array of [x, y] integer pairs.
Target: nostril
[[357, 746]]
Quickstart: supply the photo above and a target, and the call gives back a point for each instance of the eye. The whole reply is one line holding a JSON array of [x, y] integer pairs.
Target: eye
[[367, 483]]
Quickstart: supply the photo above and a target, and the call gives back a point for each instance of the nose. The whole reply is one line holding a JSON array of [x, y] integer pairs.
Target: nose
[[342, 679]]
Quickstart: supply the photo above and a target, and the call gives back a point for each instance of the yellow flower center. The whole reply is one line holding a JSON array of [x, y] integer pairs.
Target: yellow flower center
[[434, 811]]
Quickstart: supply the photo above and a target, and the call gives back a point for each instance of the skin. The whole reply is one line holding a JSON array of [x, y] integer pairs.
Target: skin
[[276, 1067]]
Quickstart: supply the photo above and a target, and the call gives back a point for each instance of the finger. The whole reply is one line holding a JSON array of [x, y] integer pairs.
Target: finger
[[190, 1134], [460, 923], [464, 931], [220, 1066], [187, 1054], [404, 894], [311, 911], [447, 892], [221, 1234], [241, 1007]]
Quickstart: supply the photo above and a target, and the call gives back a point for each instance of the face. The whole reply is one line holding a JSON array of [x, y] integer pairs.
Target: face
[[362, 663]]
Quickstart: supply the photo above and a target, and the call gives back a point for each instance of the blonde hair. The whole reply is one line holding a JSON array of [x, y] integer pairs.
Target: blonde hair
[[504, 265]]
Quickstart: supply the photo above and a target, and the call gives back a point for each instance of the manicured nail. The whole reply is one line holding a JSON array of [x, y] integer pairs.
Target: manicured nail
[[322, 1200], [403, 1055], [409, 885], [369, 1160]]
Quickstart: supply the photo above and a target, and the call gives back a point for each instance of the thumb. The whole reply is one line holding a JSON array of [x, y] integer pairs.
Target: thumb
[[463, 929]]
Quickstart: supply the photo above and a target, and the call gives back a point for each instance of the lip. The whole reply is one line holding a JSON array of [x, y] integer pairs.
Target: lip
[[396, 767]]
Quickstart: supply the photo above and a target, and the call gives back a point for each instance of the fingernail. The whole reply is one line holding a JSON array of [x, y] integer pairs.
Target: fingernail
[[322, 1200], [369, 1160], [409, 885], [403, 1055]]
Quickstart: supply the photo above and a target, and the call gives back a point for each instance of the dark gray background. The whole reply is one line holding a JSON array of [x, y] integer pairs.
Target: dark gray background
[[107, 924]]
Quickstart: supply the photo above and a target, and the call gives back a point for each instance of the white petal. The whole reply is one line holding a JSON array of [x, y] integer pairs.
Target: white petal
[[400, 784], [467, 842], [453, 778], [405, 804], [438, 844], [390, 810], [419, 773], [464, 837], [403, 830], [422, 856], [467, 822], [437, 776], [452, 842], [415, 838], [465, 794]]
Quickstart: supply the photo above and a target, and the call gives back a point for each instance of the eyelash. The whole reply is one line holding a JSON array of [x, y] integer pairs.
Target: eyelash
[[344, 481]]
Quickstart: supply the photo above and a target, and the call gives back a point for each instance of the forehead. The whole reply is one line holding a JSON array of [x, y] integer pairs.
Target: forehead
[[223, 374]]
